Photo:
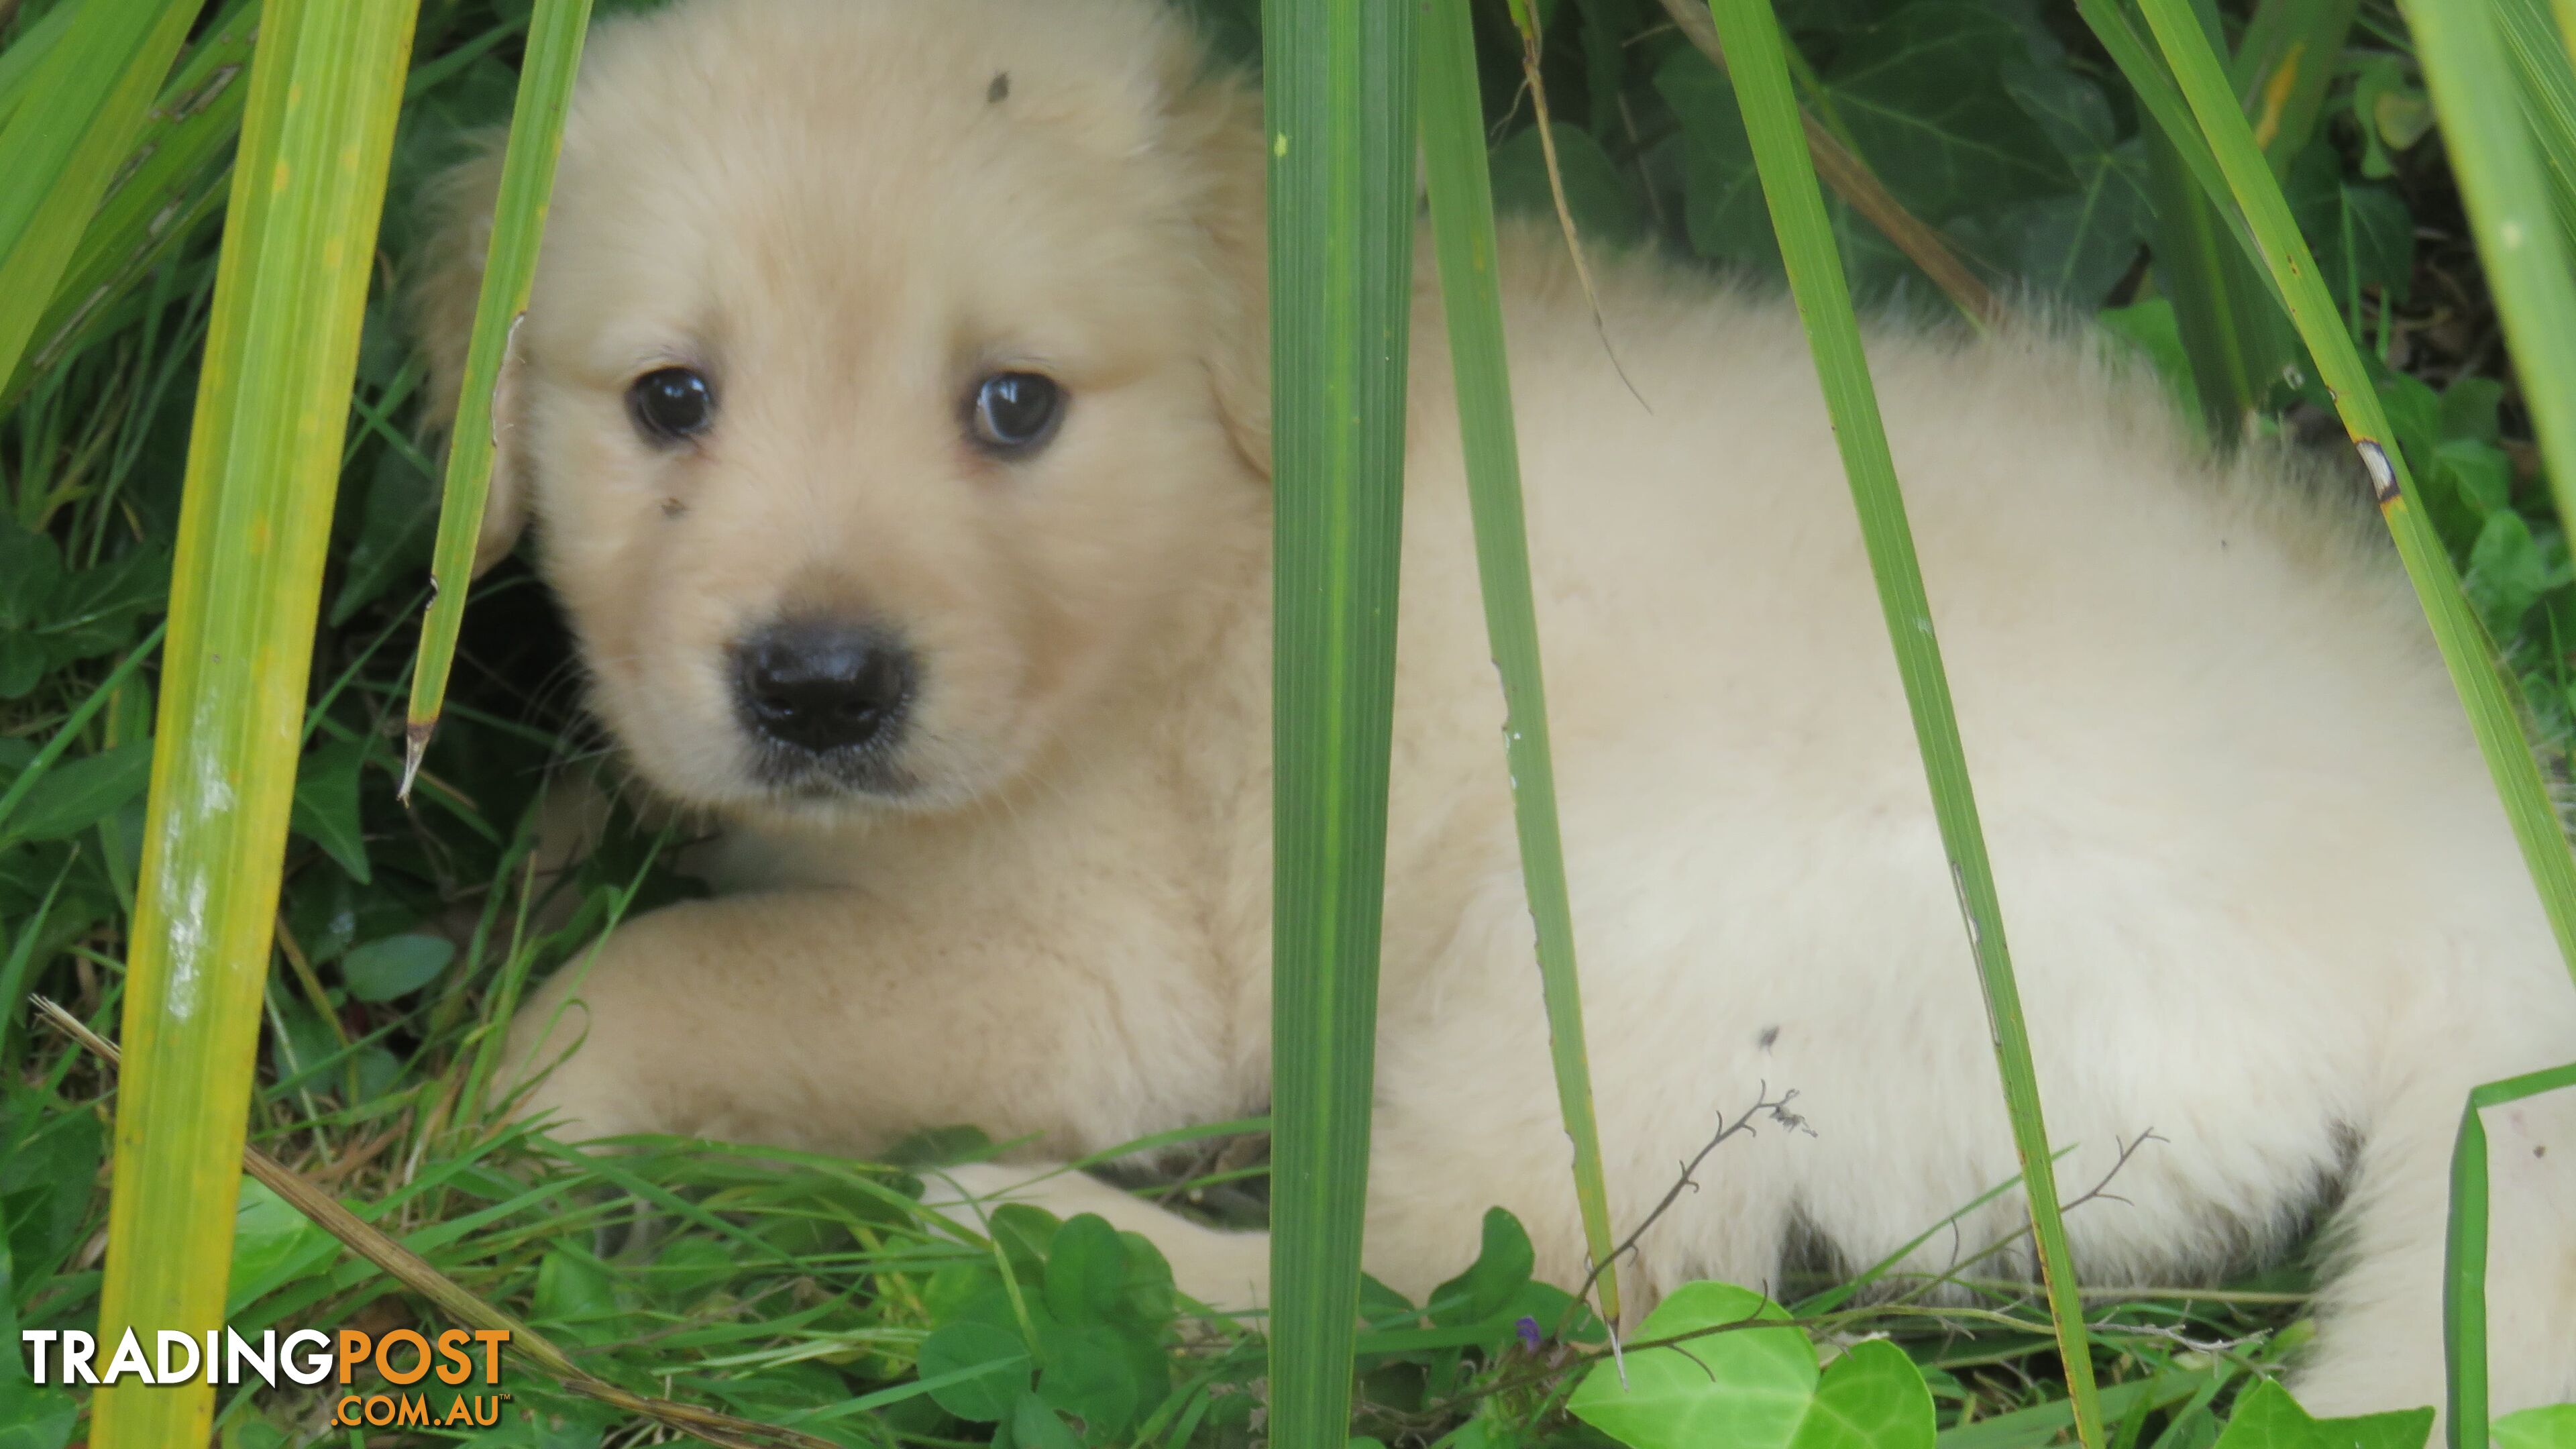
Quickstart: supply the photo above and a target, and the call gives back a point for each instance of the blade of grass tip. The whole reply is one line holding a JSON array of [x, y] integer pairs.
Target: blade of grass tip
[[2548, 95], [555, 34], [1862, 191], [450, 1297], [2464, 1259], [255, 519], [1752, 35], [1462, 226], [2507, 193], [2485, 690], [1338, 101], [66, 140]]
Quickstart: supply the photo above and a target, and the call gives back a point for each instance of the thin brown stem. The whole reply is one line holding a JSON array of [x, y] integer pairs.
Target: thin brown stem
[[1742, 1125]]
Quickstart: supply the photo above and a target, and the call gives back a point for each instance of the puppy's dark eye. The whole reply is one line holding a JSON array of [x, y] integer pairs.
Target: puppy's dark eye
[[671, 403], [1015, 412]]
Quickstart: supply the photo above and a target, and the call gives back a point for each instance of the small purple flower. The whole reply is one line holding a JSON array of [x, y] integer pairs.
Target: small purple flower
[[1527, 1328]]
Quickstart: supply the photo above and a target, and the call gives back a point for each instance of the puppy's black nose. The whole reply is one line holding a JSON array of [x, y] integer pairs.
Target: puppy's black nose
[[820, 686]]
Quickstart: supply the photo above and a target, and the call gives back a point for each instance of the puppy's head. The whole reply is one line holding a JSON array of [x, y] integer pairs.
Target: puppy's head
[[894, 373]]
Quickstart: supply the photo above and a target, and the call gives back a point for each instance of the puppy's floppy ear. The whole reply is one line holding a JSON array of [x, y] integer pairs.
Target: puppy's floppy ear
[[1215, 129], [448, 282]]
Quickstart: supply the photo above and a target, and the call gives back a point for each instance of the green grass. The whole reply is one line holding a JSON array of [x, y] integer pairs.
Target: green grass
[[254, 523], [1338, 105], [557, 31], [1462, 224], [1760, 68], [810, 1292]]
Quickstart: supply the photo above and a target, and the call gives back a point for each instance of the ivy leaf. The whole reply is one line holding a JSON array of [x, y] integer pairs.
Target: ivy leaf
[[1086, 1269], [72, 797], [49, 1157], [1722, 207], [2266, 1417], [576, 1298], [1872, 1398], [396, 528], [2553, 1427], [1741, 1387], [2471, 409], [30, 565], [2390, 111], [2363, 236], [30, 1417], [22, 663], [1035, 1425], [2151, 328], [2507, 574], [1752, 1388], [2075, 244], [2401, 1429], [94, 611], [1145, 1293], [395, 966], [1601, 201], [2481, 471], [1089, 1375], [975, 1370], [274, 1244], [1922, 94], [326, 805], [1502, 1267]]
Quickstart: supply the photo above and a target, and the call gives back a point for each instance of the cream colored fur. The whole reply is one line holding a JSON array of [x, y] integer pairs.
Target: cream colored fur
[[2260, 893]]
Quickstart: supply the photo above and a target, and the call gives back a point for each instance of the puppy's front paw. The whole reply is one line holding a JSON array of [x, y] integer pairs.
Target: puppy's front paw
[[967, 1193], [1221, 1269], [549, 1073]]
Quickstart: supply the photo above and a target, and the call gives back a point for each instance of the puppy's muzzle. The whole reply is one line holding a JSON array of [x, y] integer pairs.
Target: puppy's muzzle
[[820, 687]]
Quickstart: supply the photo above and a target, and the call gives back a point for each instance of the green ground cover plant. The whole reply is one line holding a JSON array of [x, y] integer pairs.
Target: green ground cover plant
[[1970, 150]]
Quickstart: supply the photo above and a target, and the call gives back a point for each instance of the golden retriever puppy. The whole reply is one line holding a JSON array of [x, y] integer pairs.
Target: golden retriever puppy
[[892, 414]]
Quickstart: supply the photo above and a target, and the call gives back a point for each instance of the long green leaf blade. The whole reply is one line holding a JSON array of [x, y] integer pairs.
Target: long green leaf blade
[[2164, 104], [65, 141], [263, 464], [1752, 36], [2285, 63], [2507, 193], [2232, 331], [2548, 94], [172, 181], [34, 41], [2482, 685], [1338, 97], [1462, 227], [556, 32]]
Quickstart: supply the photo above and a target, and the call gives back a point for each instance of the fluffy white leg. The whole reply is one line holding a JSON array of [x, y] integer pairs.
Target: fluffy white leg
[[1224, 1270], [2379, 1343]]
